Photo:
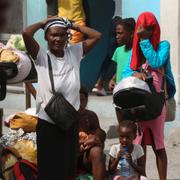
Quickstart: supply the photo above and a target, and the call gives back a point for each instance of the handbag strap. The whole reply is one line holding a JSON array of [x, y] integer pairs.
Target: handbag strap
[[51, 74], [163, 74]]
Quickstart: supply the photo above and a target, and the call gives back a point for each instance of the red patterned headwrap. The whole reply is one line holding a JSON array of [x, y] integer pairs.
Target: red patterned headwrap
[[145, 19]]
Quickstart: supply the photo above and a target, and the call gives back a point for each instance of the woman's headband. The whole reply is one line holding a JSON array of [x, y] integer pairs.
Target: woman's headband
[[60, 22]]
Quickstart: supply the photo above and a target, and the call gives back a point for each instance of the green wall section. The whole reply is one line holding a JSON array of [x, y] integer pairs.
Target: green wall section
[[37, 11], [100, 15]]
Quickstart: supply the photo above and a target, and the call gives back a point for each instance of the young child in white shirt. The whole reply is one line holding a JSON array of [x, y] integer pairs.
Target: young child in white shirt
[[132, 154]]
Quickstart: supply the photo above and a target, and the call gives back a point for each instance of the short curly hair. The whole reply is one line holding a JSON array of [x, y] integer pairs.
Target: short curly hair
[[128, 124]]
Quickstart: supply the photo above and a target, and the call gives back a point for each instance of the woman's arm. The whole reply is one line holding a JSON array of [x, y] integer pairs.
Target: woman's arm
[[95, 128], [93, 37], [158, 58], [32, 45], [101, 135]]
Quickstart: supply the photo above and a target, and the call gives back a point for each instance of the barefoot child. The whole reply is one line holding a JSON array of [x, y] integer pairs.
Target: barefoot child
[[91, 140]]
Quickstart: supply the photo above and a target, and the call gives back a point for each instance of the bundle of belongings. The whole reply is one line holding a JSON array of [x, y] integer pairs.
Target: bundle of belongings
[[15, 64], [18, 148], [137, 99]]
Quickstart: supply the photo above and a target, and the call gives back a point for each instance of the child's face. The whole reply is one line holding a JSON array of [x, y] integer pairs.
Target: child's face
[[122, 36], [126, 136]]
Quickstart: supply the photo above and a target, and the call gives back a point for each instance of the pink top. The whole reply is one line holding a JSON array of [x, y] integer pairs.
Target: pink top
[[156, 125]]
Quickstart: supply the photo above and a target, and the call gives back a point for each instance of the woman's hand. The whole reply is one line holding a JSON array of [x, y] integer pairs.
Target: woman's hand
[[141, 76], [144, 33]]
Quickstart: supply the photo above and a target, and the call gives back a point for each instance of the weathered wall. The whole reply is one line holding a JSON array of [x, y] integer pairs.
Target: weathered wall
[[132, 8], [37, 11], [170, 28]]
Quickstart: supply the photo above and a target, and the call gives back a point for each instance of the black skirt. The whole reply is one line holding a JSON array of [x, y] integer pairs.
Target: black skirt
[[56, 151]]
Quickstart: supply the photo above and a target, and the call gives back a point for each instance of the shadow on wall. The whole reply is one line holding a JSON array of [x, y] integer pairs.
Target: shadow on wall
[[99, 14]]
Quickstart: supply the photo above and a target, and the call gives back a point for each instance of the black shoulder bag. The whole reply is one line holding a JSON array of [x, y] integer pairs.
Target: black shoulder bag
[[58, 108]]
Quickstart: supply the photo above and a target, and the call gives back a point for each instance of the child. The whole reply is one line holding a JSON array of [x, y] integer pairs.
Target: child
[[124, 38], [91, 140], [122, 54], [133, 154]]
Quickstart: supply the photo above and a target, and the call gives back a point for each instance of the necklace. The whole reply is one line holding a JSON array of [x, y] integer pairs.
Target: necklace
[[60, 58]]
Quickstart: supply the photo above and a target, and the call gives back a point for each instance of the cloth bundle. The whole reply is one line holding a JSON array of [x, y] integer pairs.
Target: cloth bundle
[[22, 120], [7, 55], [15, 67]]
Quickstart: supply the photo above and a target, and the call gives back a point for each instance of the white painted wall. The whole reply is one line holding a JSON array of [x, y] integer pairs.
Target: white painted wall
[[170, 30]]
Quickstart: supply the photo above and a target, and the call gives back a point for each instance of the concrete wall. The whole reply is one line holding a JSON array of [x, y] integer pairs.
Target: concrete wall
[[170, 28], [132, 8], [14, 26], [36, 11], [118, 8]]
